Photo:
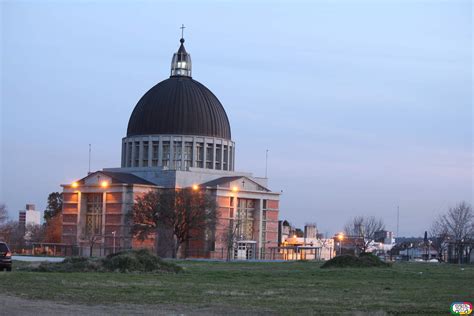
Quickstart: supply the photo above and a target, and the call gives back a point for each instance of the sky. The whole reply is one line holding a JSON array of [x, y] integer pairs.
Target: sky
[[363, 105]]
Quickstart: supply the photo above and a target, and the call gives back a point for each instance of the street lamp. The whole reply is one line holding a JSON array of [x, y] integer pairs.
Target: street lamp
[[195, 187], [340, 237]]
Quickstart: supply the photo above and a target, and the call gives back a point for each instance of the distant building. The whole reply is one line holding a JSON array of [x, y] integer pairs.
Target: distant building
[[306, 246], [29, 216], [385, 237]]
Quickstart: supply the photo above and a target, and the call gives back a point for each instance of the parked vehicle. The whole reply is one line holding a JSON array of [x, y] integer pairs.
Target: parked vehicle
[[5, 257]]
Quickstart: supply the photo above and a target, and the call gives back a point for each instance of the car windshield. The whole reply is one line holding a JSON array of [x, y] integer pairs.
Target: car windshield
[[3, 247]]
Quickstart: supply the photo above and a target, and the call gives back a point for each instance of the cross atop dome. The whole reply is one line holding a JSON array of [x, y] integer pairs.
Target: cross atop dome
[[181, 62]]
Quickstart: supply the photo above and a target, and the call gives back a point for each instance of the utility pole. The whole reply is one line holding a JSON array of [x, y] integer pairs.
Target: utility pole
[[266, 163]]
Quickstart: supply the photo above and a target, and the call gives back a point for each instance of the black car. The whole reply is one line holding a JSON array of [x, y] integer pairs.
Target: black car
[[5, 257]]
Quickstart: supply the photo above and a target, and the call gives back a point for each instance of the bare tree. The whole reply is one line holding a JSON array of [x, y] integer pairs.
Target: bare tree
[[232, 235], [458, 224], [91, 239], [439, 236], [362, 229], [184, 213], [13, 234]]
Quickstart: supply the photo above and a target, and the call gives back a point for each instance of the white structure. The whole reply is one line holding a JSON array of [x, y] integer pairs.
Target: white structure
[[29, 216]]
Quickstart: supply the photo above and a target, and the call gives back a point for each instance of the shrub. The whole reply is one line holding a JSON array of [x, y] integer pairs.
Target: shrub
[[365, 260], [124, 261]]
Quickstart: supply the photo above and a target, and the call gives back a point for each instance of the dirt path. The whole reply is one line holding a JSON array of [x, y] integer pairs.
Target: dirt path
[[21, 306]]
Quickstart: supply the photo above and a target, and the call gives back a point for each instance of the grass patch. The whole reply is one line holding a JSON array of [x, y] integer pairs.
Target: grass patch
[[137, 261], [284, 288], [366, 260]]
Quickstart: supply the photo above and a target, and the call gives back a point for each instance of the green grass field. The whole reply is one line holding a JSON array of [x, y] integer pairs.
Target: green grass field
[[282, 288]]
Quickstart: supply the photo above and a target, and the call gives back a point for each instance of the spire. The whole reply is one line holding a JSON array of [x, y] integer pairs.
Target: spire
[[181, 62]]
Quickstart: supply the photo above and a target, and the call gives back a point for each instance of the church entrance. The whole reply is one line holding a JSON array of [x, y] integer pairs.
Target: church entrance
[[245, 250]]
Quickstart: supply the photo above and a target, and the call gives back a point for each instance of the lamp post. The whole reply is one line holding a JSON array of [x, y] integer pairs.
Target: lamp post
[[340, 237], [113, 234]]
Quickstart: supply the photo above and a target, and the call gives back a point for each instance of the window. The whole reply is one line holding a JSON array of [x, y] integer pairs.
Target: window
[[177, 154], [166, 154], [199, 155], [264, 204], [209, 156], [136, 154], [231, 158], [226, 158], [245, 211], [145, 154], [188, 155], [129, 155], [154, 154], [94, 214], [218, 156]]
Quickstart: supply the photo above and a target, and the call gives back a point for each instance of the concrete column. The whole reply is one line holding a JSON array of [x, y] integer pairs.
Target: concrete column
[[222, 154], [78, 220], [233, 157], [214, 154], [160, 152], [132, 160], [172, 164], [228, 156], [127, 153], [182, 152], [150, 150], [194, 163], [260, 229], [104, 205], [204, 156], [140, 153]]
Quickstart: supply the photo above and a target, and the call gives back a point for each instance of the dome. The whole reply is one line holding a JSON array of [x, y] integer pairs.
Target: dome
[[179, 106]]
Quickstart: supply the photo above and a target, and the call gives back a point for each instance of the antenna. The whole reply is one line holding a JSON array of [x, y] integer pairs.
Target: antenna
[[90, 149], [266, 163], [398, 219]]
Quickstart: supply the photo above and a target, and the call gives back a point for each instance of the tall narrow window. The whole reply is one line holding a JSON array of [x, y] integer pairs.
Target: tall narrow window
[[136, 154], [154, 154], [145, 154], [129, 154], [199, 155], [177, 154], [166, 154], [226, 158], [188, 155], [209, 155], [218, 156], [231, 158], [94, 213]]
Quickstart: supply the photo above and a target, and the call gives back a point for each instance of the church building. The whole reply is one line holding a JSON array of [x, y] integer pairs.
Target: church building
[[178, 136]]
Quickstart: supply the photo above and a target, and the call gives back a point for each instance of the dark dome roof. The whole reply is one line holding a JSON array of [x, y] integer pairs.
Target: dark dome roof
[[180, 106]]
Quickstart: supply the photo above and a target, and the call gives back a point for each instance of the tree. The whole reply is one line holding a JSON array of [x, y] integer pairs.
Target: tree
[[54, 206], [363, 230], [439, 236], [178, 215], [91, 238], [232, 235], [458, 224], [13, 234], [53, 229], [53, 218], [35, 233]]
